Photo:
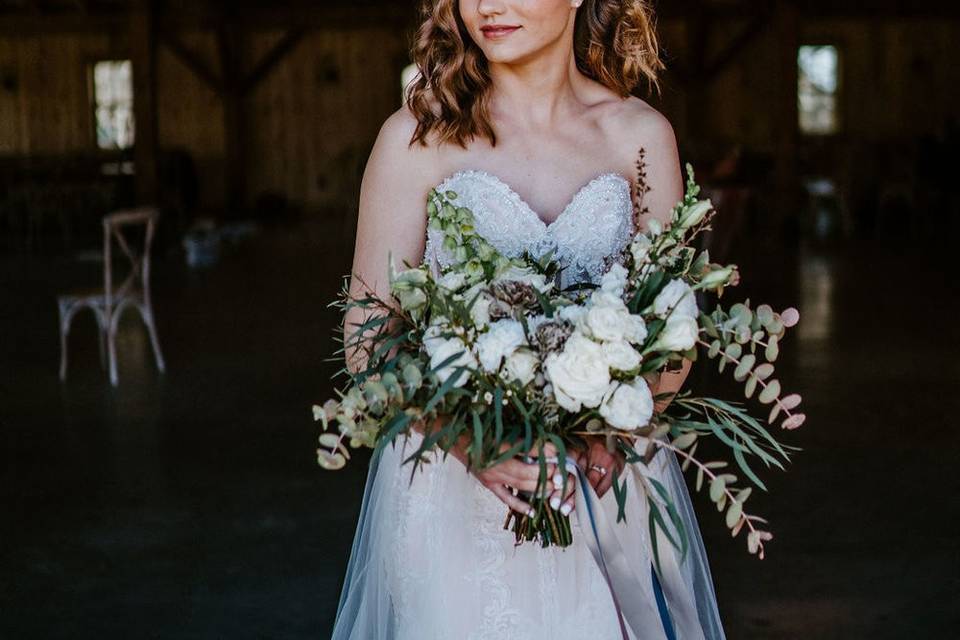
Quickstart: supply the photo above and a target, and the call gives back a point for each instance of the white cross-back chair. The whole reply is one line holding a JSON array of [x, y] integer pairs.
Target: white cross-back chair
[[109, 303]]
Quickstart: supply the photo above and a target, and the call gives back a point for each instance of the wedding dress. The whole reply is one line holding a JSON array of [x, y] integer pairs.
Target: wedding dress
[[431, 559]]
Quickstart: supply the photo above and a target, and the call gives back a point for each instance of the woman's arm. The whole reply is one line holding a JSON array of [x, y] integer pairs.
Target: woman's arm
[[653, 133], [392, 217], [665, 181]]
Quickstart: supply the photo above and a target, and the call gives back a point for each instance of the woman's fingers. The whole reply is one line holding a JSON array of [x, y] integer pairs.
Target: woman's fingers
[[562, 499], [512, 501], [604, 485]]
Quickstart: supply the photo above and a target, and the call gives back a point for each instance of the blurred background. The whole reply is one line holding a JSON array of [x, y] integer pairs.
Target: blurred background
[[188, 503]]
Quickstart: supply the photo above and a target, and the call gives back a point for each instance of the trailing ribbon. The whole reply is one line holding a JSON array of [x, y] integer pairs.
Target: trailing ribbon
[[673, 614]]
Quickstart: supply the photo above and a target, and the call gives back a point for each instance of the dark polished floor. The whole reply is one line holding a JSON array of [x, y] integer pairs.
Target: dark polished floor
[[188, 505]]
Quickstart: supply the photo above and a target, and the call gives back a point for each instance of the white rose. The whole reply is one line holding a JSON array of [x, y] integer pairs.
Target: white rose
[[449, 348], [432, 335], [677, 294], [527, 276], [637, 331], [521, 365], [500, 341], [602, 298], [628, 406], [579, 374], [609, 323], [572, 313], [640, 248], [679, 334], [615, 280], [480, 311], [453, 281], [620, 356]]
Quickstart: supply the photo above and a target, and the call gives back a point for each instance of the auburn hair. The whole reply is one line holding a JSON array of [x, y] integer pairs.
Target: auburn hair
[[615, 43]]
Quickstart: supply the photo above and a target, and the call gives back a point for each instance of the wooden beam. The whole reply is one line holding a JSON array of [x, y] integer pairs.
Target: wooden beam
[[787, 25], [270, 60], [229, 42], [143, 54], [193, 62], [740, 43]]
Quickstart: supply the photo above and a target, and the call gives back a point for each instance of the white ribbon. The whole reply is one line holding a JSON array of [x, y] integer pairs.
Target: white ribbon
[[629, 582]]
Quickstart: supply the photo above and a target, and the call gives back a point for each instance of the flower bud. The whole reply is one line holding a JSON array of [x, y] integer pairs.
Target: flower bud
[[692, 216]]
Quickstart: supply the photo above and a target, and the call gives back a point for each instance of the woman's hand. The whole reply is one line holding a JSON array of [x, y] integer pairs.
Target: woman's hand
[[515, 475], [600, 464]]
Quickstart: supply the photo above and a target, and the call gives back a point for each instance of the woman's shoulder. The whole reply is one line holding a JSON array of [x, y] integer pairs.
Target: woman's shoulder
[[634, 120], [395, 148]]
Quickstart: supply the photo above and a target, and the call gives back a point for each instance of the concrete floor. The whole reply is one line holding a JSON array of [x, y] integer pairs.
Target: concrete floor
[[188, 505]]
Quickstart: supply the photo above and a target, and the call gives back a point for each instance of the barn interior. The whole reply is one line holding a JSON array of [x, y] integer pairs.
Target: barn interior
[[187, 503]]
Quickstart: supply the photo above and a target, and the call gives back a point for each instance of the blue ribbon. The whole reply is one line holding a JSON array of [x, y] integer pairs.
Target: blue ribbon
[[662, 606]]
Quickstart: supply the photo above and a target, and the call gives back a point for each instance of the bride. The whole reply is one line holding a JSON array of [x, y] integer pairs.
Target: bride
[[523, 108]]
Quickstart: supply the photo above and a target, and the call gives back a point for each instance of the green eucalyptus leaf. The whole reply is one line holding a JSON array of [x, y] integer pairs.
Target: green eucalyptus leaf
[[770, 393], [750, 386], [773, 349], [743, 369]]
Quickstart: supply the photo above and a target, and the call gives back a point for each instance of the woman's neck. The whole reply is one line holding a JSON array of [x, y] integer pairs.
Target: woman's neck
[[541, 92]]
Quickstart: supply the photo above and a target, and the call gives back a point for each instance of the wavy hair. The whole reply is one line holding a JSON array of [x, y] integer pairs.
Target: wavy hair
[[615, 43]]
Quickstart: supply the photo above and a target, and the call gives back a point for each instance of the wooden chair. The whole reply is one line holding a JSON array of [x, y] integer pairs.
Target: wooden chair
[[108, 304]]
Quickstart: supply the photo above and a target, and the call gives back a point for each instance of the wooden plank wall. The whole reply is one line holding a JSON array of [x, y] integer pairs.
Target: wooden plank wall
[[899, 80], [312, 120]]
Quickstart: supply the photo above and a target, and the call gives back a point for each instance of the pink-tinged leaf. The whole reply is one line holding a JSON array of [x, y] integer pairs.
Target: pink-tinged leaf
[[794, 421], [774, 412], [737, 528], [764, 371], [790, 317], [791, 401]]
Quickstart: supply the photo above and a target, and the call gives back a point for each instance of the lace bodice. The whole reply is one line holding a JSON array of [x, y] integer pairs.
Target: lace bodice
[[591, 230]]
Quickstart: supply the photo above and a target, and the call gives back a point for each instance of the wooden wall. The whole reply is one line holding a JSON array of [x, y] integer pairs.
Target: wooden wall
[[899, 80], [310, 123]]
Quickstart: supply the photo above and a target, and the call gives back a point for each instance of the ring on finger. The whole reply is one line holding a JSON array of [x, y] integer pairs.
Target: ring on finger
[[599, 469]]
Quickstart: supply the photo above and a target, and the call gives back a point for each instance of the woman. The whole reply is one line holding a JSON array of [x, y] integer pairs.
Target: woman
[[523, 107]]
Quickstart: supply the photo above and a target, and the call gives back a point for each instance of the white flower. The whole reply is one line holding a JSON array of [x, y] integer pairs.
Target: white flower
[[432, 335], [579, 374], [620, 356], [615, 280], [527, 276], [572, 313], [447, 349], [679, 334], [603, 298], [609, 323], [500, 341], [637, 331], [679, 295], [480, 311], [521, 365], [640, 248], [628, 406], [453, 281]]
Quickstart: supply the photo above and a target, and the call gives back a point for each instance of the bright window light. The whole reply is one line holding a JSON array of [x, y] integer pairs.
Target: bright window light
[[113, 103], [818, 90]]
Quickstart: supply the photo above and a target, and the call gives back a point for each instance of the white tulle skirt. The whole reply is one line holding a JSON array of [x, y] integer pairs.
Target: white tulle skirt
[[432, 561]]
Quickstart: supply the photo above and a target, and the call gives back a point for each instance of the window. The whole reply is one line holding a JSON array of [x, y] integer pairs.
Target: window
[[113, 104], [818, 90]]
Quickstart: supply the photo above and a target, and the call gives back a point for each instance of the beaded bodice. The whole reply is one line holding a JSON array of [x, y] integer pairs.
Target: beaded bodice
[[591, 230]]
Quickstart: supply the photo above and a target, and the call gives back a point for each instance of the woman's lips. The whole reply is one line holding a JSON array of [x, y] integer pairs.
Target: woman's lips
[[498, 31]]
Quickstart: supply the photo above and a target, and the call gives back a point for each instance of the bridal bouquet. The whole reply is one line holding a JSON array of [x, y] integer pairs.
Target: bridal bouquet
[[491, 352]]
